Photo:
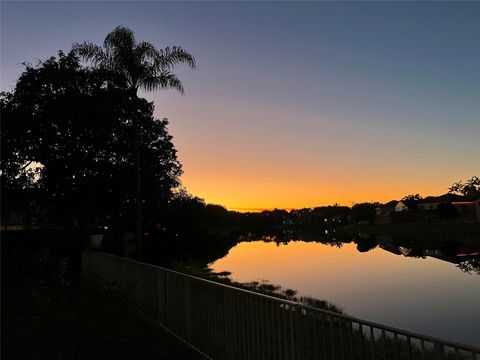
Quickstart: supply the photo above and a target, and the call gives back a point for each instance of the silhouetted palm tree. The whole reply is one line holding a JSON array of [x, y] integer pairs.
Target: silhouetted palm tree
[[133, 66], [456, 188]]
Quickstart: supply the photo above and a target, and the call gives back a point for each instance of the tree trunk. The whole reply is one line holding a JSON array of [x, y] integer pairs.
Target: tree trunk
[[138, 188], [138, 180]]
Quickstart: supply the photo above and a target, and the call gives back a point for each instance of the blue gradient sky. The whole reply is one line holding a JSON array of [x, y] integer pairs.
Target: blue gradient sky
[[295, 104]]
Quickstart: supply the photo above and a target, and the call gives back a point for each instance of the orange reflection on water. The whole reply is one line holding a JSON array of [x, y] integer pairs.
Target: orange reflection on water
[[292, 261], [426, 295]]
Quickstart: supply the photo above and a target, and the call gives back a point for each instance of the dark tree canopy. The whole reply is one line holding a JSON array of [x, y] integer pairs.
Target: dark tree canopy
[[130, 66], [470, 189], [69, 120], [364, 212]]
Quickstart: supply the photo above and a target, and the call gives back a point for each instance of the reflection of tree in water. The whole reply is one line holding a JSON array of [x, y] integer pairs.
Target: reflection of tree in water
[[451, 248], [334, 242], [470, 266], [366, 244], [416, 247], [327, 236]]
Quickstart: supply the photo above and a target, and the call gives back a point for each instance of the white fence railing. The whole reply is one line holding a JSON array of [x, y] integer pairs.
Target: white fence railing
[[225, 322]]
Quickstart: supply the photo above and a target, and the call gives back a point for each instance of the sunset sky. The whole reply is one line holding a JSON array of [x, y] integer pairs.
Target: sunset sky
[[295, 104]]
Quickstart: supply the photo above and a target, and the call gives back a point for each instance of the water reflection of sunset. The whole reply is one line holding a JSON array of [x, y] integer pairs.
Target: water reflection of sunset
[[412, 293]]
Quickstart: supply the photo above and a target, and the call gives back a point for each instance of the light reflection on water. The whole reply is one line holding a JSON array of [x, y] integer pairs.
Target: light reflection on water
[[426, 295]]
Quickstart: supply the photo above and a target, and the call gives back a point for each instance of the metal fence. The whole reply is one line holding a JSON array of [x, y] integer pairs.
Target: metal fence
[[225, 322]]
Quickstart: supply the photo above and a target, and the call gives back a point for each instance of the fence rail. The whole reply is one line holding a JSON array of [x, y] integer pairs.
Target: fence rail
[[225, 322]]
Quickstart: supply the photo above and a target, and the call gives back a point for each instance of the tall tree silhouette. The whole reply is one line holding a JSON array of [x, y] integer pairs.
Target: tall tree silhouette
[[131, 66], [67, 154]]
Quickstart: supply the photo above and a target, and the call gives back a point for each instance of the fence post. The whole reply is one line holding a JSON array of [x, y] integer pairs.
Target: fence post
[[439, 350], [226, 333], [188, 309]]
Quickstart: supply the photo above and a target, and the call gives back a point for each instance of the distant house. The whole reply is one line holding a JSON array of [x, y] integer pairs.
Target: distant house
[[384, 212], [12, 221], [401, 206], [477, 202], [432, 202], [33, 218], [467, 208], [387, 208], [395, 211]]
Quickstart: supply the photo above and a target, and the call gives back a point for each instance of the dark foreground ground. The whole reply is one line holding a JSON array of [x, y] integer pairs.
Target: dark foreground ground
[[55, 318]]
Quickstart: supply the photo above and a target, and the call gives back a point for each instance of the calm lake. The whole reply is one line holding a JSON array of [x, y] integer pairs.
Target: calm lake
[[421, 289]]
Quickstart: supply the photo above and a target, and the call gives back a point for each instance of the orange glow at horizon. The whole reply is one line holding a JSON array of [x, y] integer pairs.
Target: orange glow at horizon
[[256, 195], [249, 155]]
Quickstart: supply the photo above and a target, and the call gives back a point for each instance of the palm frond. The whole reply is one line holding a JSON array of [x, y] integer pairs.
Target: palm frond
[[120, 38], [474, 181], [90, 52], [169, 57], [145, 51], [165, 80], [131, 65]]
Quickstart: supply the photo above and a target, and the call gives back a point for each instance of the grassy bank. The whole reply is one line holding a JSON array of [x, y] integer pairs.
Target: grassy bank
[[263, 286], [53, 318]]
